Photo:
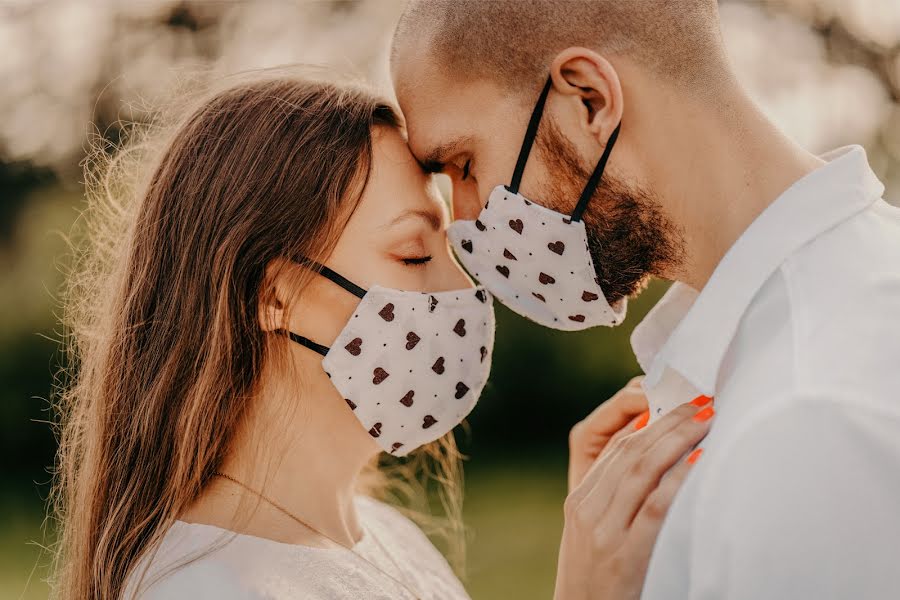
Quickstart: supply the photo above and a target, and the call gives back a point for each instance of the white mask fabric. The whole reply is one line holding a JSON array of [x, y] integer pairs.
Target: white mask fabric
[[536, 260], [411, 365]]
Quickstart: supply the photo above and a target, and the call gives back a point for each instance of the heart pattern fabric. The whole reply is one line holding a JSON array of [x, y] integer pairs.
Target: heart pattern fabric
[[411, 365], [535, 261]]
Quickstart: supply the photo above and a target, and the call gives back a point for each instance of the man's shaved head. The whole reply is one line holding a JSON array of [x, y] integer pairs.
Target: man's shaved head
[[468, 72], [513, 41]]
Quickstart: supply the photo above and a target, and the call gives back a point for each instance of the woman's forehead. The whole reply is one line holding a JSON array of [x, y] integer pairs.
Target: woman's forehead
[[398, 188]]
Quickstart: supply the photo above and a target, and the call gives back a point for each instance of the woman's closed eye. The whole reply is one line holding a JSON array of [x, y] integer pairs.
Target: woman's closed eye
[[415, 261]]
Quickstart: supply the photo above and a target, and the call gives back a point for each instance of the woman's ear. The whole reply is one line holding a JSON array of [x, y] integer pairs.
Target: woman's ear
[[272, 295], [592, 79]]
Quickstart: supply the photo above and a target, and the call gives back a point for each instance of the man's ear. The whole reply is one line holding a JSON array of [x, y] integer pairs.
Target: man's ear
[[272, 296], [584, 73]]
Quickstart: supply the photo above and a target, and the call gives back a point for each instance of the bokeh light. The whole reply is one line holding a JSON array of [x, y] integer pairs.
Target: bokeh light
[[827, 72]]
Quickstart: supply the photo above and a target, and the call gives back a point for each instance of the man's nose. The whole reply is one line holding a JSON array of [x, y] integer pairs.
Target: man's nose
[[467, 202]]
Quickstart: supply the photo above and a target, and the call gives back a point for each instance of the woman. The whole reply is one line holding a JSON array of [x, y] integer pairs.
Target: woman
[[276, 310]]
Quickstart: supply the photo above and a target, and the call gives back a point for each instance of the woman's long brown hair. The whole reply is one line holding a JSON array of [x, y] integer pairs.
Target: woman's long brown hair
[[162, 306]]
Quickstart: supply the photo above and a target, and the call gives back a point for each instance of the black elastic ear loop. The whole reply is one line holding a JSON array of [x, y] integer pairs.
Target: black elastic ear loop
[[323, 350], [336, 278], [528, 140], [342, 281], [588, 192]]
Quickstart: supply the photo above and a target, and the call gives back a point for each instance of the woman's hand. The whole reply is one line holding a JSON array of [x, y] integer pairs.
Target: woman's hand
[[591, 435], [614, 514]]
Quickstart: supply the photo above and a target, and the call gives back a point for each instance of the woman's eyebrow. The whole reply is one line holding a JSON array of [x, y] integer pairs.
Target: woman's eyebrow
[[431, 217]]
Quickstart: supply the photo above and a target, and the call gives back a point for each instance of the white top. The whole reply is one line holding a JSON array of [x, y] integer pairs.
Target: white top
[[253, 568], [797, 335]]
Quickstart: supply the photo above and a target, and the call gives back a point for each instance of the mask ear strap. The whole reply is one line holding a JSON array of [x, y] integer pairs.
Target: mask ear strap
[[334, 277], [342, 281], [308, 343], [528, 140], [588, 192]]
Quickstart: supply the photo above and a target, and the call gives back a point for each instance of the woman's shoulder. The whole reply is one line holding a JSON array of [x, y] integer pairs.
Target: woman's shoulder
[[188, 563], [196, 562], [197, 580], [370, 508], [386, 519], [396, 542]]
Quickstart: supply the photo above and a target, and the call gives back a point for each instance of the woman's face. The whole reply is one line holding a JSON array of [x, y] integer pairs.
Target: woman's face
[[396, 238]]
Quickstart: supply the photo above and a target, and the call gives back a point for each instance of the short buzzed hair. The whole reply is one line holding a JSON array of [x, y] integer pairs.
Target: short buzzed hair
[[514, 41]]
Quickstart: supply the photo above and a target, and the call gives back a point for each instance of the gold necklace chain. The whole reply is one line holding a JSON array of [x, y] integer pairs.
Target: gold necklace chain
[[349, 549]]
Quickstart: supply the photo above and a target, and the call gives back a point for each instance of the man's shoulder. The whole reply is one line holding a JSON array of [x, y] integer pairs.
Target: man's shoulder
[[843, 291], [801, 502], [799, 450], [855, 261]]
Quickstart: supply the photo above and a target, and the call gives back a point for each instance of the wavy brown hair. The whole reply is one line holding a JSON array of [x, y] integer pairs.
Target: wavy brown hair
[[162, 308]]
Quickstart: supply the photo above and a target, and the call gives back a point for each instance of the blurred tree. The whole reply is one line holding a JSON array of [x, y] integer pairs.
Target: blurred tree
[[828, 72]]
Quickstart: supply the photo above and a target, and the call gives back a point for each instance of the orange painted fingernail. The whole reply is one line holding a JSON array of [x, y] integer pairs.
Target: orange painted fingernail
[[705, 414], [642, 420], [693, 456], [701, 400]]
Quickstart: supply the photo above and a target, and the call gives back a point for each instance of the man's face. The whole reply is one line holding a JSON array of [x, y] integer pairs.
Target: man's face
[[473, 131], [469, 132]]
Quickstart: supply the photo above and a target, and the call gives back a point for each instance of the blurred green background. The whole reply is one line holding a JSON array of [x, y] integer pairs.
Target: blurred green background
[[827, 72]]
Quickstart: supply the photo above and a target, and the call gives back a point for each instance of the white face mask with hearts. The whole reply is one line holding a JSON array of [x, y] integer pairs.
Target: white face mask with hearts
[[410, 365], [535, 260]]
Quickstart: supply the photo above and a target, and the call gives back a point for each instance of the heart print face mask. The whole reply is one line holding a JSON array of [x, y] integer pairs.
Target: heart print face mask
[[536, 260], [410, 365]]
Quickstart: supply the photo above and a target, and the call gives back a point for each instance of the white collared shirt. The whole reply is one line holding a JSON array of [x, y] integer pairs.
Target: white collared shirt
[[797, 336]]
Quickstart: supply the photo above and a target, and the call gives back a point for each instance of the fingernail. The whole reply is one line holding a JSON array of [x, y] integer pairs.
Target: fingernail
[[705, 414], [642, 420], [701, 400], [693, 456]]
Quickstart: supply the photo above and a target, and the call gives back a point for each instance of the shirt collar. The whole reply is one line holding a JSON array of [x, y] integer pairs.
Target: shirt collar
[[690, 331]]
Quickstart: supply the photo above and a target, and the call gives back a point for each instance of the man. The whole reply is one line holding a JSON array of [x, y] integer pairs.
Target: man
[[786, 306]]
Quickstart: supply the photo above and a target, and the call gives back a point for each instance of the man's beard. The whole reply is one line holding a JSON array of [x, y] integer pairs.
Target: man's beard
[[629, 236]]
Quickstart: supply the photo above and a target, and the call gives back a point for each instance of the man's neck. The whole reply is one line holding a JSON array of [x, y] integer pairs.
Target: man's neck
[[720, 169]]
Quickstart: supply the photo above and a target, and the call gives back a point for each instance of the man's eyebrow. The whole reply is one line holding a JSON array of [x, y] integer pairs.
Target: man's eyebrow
[[436, 157], [432, 217]]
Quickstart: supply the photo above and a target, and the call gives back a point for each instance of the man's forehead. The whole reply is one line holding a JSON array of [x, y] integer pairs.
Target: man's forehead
[[436, 129], [442, 120]]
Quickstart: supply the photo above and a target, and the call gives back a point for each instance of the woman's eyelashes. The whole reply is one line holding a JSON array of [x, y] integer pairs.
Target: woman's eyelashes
[[415, 261], [465, 170]]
